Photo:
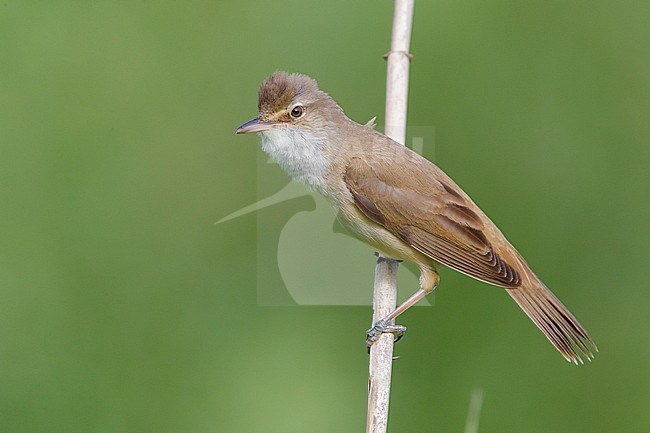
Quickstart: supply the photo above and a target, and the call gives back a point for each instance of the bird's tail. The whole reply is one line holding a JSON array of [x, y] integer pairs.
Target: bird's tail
[[554, 320]]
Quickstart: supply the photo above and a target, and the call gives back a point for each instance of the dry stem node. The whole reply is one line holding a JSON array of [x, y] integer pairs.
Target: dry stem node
[[403, 53]]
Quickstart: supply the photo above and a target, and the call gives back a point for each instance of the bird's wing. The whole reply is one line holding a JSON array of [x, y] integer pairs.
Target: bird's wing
[[419, 204]]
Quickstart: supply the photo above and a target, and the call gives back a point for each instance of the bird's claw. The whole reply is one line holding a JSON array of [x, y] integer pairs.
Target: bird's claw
[[383, 327]]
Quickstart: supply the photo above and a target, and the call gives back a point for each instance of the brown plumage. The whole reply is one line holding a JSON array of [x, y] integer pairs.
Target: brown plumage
[[401, 203], [429, 212]]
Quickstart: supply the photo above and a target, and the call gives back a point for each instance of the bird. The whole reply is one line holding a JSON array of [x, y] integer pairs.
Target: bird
[[401, 204]]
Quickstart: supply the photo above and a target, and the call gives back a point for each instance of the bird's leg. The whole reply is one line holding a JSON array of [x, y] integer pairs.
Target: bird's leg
[[385, 325], [428, 281]]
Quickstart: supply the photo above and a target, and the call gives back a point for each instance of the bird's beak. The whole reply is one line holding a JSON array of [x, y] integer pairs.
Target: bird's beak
[[255, 125]]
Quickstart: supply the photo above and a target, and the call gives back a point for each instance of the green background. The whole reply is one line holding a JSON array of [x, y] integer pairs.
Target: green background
[[124, 308]]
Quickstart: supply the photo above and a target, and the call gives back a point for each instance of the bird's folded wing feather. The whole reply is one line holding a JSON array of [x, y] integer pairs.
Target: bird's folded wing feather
[[421, 206]]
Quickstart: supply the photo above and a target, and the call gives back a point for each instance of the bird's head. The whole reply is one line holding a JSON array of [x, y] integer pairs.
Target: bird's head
[[292, 100]]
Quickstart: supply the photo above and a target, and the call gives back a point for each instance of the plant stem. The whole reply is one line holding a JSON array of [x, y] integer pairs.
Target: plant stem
[[385, 287]]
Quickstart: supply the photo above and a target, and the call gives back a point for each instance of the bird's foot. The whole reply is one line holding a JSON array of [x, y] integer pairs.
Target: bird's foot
[[383, 327]]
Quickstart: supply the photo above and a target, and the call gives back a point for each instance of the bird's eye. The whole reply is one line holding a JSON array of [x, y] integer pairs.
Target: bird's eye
[[297, 111]]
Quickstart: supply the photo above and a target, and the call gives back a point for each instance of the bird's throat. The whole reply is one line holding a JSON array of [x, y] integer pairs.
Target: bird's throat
[[300, 152]]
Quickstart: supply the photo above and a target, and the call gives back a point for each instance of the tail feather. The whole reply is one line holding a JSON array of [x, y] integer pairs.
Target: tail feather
[[555, 321]]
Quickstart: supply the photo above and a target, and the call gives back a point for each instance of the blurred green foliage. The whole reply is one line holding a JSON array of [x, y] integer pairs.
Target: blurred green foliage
[[125, 309]]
